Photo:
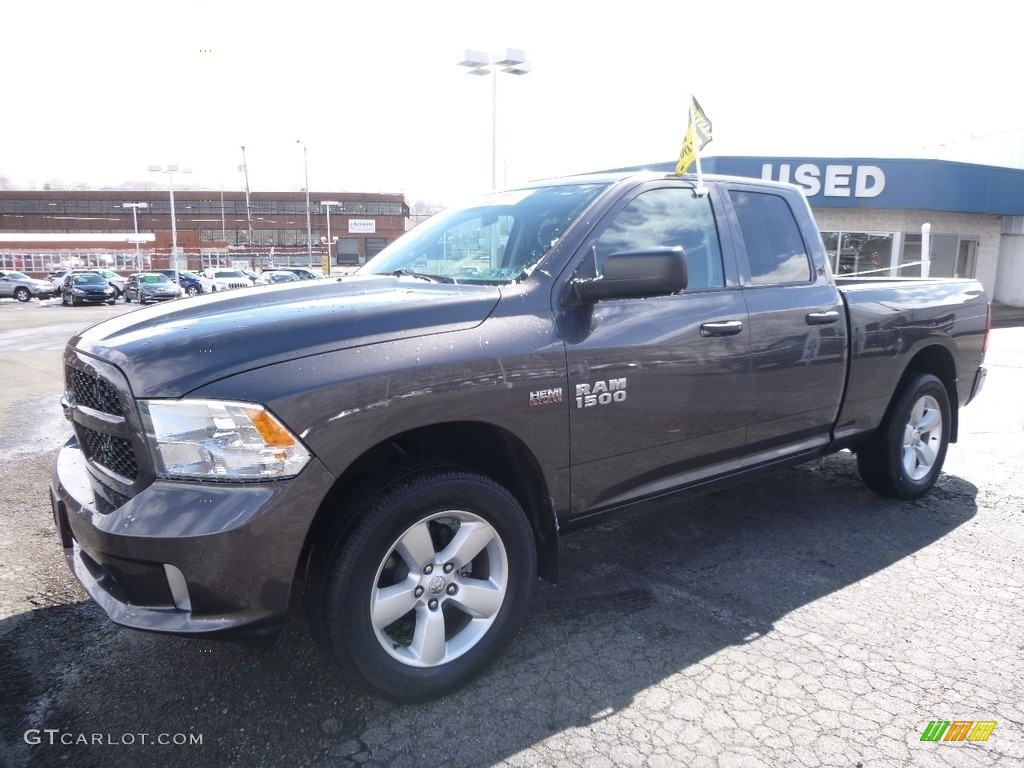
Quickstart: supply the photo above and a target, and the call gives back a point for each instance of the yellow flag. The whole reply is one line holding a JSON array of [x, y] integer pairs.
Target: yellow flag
[[698, 134]]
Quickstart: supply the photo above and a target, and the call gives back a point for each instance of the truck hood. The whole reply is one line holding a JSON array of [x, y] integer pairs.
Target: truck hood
[[169, 350]]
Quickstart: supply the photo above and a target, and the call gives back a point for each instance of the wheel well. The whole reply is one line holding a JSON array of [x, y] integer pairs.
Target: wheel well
[[483, 448], [938, 361]]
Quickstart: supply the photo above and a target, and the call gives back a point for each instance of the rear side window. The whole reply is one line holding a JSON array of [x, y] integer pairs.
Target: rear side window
[[668, 217], [775, 250]]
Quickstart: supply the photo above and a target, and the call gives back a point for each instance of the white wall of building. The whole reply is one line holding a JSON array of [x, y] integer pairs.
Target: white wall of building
[[1010, 277], [986, 228]]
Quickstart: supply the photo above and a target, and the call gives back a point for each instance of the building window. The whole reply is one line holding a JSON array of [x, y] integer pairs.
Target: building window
[[859, 253]]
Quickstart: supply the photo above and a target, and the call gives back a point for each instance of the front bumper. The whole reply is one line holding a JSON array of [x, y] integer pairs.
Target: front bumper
[[186, 557]]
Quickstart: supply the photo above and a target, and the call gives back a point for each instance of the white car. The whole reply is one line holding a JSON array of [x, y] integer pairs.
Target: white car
[[232, 278]]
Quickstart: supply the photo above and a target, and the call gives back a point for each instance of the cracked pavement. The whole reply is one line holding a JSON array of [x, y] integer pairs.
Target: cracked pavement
[[796, 620]]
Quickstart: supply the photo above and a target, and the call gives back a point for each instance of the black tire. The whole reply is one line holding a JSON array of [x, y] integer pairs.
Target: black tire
[[112, 301], [63, 299], [192, 290], [406, 522], [21, 293], [127, 298], [904, 458]]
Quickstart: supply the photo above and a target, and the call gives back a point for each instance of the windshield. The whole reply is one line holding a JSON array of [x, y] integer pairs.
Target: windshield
[[18, 276], [155, 278], [90, 279], [495, 239]]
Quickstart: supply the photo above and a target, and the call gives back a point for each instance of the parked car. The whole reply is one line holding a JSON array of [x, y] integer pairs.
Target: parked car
[[277, 276], [233, 278], [150, 286], [303, 273], [22, 287], [113, 279], [86, 288], [193, 284]]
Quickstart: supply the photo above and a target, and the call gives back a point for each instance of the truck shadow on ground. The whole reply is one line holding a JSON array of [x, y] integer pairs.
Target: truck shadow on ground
[[641, 599]]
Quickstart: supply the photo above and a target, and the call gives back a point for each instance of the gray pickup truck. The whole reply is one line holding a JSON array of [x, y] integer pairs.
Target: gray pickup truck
[[410, 442]]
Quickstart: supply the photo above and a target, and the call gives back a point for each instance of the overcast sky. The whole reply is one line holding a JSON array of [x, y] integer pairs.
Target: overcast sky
[[96, 92]]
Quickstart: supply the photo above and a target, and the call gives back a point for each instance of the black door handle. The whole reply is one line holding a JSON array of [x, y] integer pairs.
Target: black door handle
[[722, 328]]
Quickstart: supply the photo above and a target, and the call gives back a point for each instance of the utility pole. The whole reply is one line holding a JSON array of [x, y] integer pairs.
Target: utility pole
[[244, 168]]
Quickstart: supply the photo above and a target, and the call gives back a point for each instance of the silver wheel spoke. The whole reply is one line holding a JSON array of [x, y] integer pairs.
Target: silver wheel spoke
[[930, 420], [416, 547], [469, 542], [392, 603], [926, 454], [428, 643], [917, 412], [480, 599]]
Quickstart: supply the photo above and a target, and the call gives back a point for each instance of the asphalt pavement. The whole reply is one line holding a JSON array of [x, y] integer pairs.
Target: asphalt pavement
[[798, 620]]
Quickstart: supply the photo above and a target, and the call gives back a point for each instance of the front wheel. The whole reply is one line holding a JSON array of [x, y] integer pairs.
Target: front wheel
[[192, 290], [430, 587], [904, 458], [22, 294]]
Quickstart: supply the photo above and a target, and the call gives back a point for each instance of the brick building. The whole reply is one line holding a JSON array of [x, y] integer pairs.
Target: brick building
[[41, 230]]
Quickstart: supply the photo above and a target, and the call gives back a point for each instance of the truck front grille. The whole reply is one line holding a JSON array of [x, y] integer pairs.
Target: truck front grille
[[114, 454], [106, 427], [93, 392]]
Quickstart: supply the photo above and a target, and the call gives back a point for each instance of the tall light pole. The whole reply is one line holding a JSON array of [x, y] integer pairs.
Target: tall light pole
[[170, 170], [309, 224], [244, 168], [326, 263], [482, 64], [135, 221]]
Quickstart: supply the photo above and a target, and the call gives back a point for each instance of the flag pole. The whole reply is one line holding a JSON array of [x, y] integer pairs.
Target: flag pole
[[701, 190]]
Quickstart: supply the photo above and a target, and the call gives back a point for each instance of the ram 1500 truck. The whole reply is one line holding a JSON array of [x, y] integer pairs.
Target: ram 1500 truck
[[410, 442]]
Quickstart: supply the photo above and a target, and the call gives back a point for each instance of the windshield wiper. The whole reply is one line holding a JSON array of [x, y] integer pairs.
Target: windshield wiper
[[422, 276]]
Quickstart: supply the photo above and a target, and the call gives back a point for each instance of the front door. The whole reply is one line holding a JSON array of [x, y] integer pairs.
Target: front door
[[658, 387]]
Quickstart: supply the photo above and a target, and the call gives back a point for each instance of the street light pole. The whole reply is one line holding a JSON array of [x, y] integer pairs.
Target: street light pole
[[482, 64], [135, 221], [170, 171], [326, 263], [309, 224]]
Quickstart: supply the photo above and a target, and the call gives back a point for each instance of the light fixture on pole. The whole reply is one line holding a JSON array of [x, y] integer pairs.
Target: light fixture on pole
[[135, 221], [326, 263], [481, 64], [309, 224], [170, 170]]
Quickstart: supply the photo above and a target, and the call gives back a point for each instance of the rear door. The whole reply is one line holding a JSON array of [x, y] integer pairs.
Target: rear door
[[659, 387], [797, 320]]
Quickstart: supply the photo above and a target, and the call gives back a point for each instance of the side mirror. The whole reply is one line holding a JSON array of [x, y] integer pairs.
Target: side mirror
[[636, 275]]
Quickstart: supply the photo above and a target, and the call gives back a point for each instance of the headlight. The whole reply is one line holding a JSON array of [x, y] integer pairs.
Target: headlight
[[77, 291], [220, 440]]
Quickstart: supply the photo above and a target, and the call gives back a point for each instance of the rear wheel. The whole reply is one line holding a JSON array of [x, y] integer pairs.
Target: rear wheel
[[431, 585], [904, 458]]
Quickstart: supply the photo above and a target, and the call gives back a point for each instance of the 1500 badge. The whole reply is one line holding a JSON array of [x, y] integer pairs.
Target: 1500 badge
[[601, 393]]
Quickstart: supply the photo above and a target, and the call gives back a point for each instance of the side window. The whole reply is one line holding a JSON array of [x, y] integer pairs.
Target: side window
[[668, 217], [775, 250]]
